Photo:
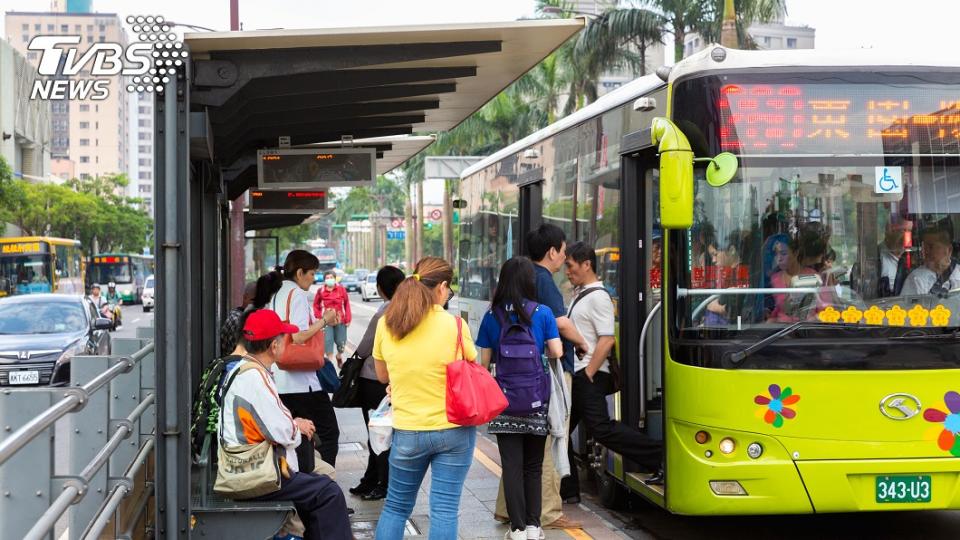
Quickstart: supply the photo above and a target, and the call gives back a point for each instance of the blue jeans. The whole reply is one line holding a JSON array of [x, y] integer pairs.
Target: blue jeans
[[448, 453], [335, 338]]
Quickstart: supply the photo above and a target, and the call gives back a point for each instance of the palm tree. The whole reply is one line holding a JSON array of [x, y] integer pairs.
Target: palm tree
[[745, 13], [678, 18], [637, 27]]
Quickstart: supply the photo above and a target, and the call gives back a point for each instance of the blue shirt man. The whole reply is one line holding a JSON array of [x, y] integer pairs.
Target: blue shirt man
[[546, 247], [549, 295]]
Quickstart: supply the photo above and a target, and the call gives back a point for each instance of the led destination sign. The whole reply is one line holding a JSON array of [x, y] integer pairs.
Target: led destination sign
[[287, 201], [315, 169], [838, 118]]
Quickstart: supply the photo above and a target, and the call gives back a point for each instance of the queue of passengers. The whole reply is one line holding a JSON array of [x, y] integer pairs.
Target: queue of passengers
[[407, 348]]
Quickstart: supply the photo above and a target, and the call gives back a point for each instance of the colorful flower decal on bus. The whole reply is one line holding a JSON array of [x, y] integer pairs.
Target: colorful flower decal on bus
[[949, 437], [775, 408]]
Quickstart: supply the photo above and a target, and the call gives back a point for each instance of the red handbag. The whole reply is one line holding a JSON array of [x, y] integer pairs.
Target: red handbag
[[473, 395], [306, 356]]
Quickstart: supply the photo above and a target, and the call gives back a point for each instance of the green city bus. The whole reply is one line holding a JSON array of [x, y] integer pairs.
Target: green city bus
[[779, 230], [128, 270]]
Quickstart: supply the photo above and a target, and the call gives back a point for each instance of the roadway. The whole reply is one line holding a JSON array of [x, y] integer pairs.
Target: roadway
[[641, 520]]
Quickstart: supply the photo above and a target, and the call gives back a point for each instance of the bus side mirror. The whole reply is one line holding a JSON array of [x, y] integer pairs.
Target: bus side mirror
[[676, 175]]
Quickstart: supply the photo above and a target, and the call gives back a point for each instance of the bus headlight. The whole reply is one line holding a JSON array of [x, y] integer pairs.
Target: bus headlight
[[755, 450], [727, 445]]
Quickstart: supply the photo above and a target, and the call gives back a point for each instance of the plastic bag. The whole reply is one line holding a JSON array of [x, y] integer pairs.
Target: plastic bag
[[381, 427]]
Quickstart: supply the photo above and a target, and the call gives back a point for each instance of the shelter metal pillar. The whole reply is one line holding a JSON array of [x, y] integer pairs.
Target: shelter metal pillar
[[174, 331]]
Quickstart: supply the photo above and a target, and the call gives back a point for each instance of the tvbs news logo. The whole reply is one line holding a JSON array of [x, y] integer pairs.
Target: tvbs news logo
[[148, 64]]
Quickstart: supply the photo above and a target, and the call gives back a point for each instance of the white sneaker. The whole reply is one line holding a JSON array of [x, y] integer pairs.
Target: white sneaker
[[535, 533], [515, 535]]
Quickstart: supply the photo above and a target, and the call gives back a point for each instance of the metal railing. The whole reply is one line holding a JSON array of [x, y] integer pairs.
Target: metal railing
[[102, 425]]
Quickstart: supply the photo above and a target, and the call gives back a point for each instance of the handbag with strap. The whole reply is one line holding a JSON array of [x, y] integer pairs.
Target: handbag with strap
[[616, 379], [329, 380], [306, 356], [473, 395], [245, 471], [348, 395]]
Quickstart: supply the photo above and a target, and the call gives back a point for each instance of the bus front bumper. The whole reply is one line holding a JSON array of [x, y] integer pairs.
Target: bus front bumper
[[852, 485], [703, 480]]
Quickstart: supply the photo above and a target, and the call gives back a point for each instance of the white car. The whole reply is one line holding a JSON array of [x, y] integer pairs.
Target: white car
[[146, 297], [368, 288]]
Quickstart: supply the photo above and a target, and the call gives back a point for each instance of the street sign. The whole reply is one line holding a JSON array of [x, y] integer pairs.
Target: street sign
[[299, 168], [358, 226], [436, 214], [283, 201], [396, 235]]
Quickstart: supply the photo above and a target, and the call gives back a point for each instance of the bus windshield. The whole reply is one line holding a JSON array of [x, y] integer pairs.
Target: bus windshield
[[854, 230], [103, 273], [25, 274]]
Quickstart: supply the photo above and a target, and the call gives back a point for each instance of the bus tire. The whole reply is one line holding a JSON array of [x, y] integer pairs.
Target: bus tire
[[611, 494]]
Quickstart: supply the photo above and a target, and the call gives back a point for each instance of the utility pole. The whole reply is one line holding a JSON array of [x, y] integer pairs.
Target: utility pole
[[728, 32], [419, 221], [237, 236]]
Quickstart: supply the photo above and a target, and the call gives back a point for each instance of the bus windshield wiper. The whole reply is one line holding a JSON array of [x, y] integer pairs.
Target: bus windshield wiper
[[945, 336], [738, 357]]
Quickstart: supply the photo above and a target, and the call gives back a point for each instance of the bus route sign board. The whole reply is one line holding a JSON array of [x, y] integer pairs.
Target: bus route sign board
[[314, 169], [287, 201], [23, 248]]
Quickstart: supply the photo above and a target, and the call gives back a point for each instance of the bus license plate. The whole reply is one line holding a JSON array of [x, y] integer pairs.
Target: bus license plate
[[904, 489], [24, 377]]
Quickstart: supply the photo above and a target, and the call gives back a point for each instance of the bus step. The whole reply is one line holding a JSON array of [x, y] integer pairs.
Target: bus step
[[642, 478]]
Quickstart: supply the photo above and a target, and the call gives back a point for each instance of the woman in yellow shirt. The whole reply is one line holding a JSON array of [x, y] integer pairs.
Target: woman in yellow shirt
[[415, 341]]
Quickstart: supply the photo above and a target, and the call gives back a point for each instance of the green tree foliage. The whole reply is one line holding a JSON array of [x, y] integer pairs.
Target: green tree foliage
[[646, 21], [80, 209]]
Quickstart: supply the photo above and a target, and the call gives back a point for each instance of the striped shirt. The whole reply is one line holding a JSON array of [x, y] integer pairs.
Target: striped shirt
[[253, 412]]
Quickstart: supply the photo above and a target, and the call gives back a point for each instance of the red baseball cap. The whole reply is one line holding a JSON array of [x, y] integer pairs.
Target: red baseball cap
[[265, 324]]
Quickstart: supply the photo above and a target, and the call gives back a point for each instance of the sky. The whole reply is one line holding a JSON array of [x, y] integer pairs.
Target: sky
[[917, 26]]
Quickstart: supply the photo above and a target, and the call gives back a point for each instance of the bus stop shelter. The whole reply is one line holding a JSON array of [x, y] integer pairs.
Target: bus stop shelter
[[242, 91]]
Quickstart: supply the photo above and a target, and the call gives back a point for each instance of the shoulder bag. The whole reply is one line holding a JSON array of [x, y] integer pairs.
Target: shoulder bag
[[306, 356], [473, 395], [348, 394], [245, 471], [616, 378]]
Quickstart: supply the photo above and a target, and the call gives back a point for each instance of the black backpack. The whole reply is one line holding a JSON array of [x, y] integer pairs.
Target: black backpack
[[204, 413]]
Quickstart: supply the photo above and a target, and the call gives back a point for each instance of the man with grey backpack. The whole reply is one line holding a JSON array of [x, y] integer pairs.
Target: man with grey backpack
[[596, 373]]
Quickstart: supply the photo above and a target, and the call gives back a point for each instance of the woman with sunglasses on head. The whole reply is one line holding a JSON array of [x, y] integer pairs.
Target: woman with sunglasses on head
[[300, 391], [415, 341]]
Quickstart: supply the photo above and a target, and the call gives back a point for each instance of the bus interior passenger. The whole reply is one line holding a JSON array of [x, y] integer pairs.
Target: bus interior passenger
[[940, 272]]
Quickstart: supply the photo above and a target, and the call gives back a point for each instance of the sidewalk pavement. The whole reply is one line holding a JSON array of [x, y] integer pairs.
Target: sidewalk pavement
[[476, 504]]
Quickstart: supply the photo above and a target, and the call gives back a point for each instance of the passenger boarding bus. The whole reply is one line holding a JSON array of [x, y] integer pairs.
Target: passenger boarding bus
[[783, 245], [127, 270], [40, 264]]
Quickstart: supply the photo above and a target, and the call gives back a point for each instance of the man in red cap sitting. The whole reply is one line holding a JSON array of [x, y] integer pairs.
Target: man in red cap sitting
[[252, 413]]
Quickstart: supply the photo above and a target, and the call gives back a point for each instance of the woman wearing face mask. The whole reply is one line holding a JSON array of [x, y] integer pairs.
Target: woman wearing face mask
[[333, 296], [300, 390]]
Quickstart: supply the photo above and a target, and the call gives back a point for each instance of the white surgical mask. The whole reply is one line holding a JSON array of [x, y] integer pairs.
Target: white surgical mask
[[330, 282]]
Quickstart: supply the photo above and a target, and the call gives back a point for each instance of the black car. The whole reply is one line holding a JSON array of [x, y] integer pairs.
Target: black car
[[40, 333], [350, 283]]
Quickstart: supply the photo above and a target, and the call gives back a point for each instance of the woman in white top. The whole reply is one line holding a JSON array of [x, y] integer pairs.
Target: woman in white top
[[300, 390]]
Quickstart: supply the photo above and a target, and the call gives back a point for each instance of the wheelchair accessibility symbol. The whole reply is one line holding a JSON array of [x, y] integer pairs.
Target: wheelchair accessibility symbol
[[888, 180]]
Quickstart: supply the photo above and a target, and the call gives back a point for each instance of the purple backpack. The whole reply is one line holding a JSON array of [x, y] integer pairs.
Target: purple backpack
[[521, 371]]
